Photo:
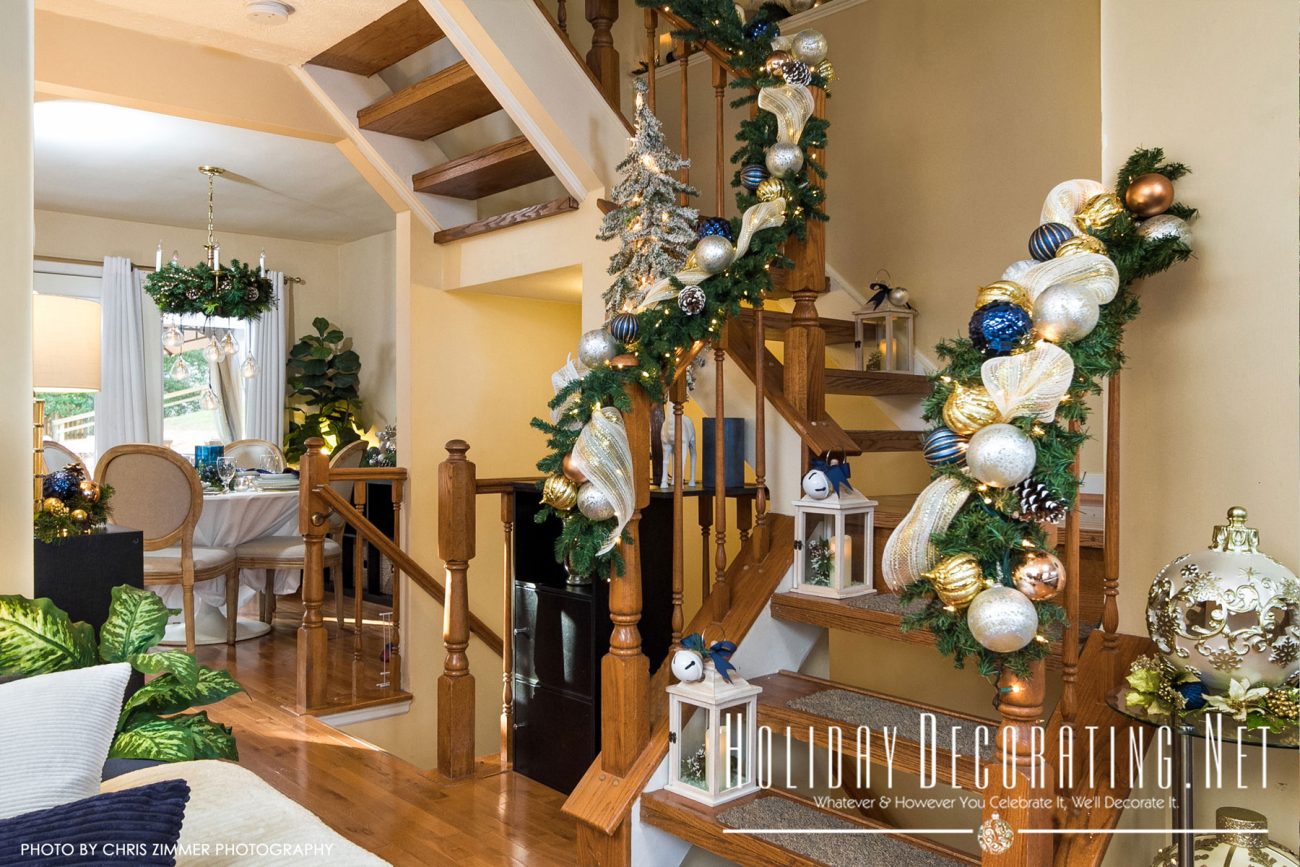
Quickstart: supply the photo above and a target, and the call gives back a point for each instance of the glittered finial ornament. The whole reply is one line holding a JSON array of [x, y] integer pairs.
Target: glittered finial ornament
[[54, 506], [957, 580], [691, 300], [969, 408]]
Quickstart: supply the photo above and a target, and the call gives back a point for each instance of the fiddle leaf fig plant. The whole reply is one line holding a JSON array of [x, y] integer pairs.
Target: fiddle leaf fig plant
[[323, 378]]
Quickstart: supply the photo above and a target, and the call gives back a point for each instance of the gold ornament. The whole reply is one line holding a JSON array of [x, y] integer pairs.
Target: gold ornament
[[54, 506], [957, 580], [1040, 576], [772, 65], [1149, 194], [770, 190], [1099, 212], [827, 71], [1005, 290], [571, 471], [1081, 244], [1282, 703], [79, 516], [89, 490], [969, 408], [560, 493]]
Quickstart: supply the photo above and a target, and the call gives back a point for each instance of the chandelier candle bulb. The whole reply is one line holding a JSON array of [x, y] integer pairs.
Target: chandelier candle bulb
[[157, 257]]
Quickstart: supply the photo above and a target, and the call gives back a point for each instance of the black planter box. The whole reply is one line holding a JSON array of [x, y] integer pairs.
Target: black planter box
[[79, 573]]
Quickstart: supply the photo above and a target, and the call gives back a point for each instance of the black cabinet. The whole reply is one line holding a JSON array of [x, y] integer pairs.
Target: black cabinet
[[79, 573], [378, 509]]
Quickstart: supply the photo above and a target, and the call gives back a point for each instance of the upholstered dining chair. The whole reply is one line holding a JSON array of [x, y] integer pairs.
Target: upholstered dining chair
[[288, 552], [157, 492], [58, 456], [255, 454]]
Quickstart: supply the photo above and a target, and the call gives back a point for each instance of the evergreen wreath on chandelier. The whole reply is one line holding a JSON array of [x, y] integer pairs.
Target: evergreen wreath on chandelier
[[209, 288], [691, 307]]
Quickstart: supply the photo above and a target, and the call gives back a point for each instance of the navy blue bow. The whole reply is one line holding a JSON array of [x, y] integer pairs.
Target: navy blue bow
[[720, 652], [836, 474]]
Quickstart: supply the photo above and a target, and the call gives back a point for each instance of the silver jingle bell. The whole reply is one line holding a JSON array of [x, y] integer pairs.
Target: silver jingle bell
[[714, 253], [784, 159]]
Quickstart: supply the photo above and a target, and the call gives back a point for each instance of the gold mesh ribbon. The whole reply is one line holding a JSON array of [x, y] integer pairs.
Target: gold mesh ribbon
[[1031, 383], [1065, 200], [559, 379], [909, 551], [792, 105], [1091, 271], [603, 455]]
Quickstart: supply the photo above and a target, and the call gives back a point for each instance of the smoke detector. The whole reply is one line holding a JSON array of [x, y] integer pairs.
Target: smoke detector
[[268, 11]]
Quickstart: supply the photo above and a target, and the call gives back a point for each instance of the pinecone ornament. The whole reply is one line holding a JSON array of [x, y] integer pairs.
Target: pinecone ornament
[[1283, 703], [1038, 503]]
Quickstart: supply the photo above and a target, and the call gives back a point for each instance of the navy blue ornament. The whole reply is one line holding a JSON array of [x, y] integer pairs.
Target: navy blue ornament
[[719, 226], [62, 484], [752, 175], [1193, 693], [624, 327], [944, 446], [761, 28], [996, 328], [1047, 238]]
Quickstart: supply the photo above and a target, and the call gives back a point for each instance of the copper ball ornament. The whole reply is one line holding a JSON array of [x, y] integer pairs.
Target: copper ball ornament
[[1041, 575], [571, 471], [560, 492], [1098, 212], [89, 490], [1149, 194], [1081, 244], [969, 408], [1004, 290], [772, 65], [957, 580]]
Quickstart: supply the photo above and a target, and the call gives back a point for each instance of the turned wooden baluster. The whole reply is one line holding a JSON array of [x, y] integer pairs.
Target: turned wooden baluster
[[651, 50], [507, 632], [744, 518], [1110, 542], [313, 473], [1026, 802], [1070, 635], [456, 492], [395, 643], [761, 541], [721, 589], [625, 671], [677, 394], [358, 576], [603, 56], [719, 103], [562, 16]]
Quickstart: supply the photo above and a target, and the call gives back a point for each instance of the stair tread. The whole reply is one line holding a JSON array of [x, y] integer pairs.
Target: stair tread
[[384, 41], [506, 220], [493, 169], [777, 322], [433, 105], [874, 382], [887, 440], [707, 827]]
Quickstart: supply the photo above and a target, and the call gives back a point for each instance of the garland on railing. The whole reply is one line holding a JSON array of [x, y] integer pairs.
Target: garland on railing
[[1041, 340], [655, 336]]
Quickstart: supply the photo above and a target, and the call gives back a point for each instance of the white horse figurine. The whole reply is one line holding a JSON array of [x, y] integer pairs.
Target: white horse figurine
[[688, 444]]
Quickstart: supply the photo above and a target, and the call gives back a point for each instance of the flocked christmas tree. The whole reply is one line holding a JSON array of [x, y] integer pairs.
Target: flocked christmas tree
[[655, 233]]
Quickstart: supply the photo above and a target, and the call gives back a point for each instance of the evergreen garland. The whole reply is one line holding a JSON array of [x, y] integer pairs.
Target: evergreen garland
[[243, 294], [985, 526]]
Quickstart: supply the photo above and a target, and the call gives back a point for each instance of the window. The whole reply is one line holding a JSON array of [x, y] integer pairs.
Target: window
[[202, 387], [69, 415]]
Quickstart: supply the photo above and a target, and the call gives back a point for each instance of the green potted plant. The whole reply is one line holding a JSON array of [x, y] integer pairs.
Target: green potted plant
[[37, 637], [324, 401]]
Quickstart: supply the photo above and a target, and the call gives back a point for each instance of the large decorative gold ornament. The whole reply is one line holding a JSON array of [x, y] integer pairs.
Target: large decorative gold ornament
[[957, 580], [910, 551], [1099, 212], [1228, 612], [969, 408], [1005, 290], [54, 506], [1031, 383], [560, 492], [1041, 575], [1081, 244], [1149, 194]]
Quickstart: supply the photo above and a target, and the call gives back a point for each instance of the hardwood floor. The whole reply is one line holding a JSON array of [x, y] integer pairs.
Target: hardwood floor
[[398, 811]]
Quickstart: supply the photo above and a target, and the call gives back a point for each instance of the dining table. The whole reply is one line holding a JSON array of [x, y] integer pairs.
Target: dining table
[[228, 520]]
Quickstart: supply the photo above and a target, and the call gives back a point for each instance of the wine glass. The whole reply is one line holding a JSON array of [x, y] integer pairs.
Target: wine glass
[[226, 472]]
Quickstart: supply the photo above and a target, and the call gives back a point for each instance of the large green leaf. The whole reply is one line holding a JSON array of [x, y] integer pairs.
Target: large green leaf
[[211, 740], [321, 324], [167, 693], [153, 738], [136, 622], [36, 637], [175, 662]]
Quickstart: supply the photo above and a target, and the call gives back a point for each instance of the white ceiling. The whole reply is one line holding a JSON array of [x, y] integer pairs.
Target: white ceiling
[[107, 161], [314, 25]]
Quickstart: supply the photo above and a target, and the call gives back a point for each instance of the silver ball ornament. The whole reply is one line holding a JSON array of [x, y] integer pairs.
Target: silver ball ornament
[[1001, 455], [783, 159], [1002, 619], [1065, 313], [596, 347], [714, 253], [593, 503], [809, 46], [1165, 226], [898, 296]]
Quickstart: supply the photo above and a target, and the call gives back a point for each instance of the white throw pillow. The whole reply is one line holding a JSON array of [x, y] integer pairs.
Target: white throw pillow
[[55, 731]]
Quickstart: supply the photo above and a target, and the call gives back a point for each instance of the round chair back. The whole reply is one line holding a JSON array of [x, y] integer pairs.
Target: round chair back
[[155, 491], [255, 454], [58, 456]]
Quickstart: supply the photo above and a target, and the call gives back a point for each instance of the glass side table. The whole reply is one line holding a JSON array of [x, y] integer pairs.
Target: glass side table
[[1184, 731]]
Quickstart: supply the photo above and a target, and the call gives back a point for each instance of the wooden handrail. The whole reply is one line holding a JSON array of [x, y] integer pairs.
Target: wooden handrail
[[504, 485], [368, 474]]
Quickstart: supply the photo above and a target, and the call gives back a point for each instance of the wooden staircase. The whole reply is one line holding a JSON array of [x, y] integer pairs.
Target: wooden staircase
[[439, 103]]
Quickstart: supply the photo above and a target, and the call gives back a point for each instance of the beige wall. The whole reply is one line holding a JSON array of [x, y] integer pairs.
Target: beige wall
[[16, 297], [366, 310], [1206, 430]]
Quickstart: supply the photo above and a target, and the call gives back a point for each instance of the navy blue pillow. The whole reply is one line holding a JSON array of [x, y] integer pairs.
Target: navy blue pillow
[[132, 827]]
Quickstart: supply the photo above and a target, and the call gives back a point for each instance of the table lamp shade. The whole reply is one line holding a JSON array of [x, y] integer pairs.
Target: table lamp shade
[[65, 343]]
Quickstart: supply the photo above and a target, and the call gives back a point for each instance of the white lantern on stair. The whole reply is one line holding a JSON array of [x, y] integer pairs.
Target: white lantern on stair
[[712, 738], [834, 541], [884, 336]]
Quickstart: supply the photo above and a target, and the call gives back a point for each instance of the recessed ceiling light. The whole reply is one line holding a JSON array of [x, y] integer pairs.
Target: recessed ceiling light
[[268, 11]]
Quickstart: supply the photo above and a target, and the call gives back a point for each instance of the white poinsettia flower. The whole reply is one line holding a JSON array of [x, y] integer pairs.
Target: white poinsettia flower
[[1239, 700]]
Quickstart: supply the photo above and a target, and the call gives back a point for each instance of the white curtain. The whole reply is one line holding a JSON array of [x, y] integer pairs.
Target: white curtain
[[264, 393], [128, 408]]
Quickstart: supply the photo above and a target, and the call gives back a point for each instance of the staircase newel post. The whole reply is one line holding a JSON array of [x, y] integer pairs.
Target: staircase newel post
[[1020, 786], [314, 472], [602, 59], [456, 529], [625, 671]]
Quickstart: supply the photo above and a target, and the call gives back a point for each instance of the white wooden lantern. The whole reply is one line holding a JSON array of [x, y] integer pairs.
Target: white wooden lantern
[[834, 540], [712, 738], [884, 337]]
